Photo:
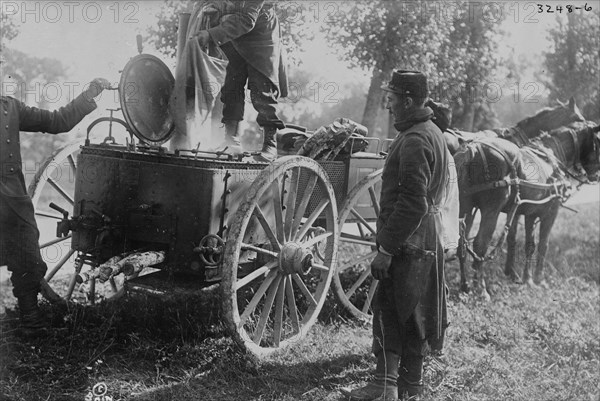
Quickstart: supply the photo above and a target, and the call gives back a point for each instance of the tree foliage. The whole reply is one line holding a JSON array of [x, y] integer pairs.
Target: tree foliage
[[164, 34], [573, 63], [8, 28], [453, 43], [293, 17]]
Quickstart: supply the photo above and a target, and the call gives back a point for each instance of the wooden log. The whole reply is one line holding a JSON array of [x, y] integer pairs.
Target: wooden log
[[137, 262], [128, 265]]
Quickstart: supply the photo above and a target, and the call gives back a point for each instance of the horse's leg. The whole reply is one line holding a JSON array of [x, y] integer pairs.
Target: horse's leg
[[489, 218], [529, 247], [465, 227], [546, 223], [511, 242]]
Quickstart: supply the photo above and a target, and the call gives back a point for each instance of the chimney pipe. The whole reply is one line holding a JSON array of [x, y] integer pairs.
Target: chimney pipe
[[184, 21]]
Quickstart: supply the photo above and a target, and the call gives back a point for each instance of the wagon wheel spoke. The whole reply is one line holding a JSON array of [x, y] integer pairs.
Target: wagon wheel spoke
[[301, 210], [315, 240], [361, 279], [260, 216], [363, 221], [361, 230], [266, 311], [251, 307], [278, 324], [304, 289], [291, 300], [59, 265], [367, 306], [61, 191], [257, 249], [55, 241], [72, 163], [48, 215], [291, 194], [357, 240], [312, 218], [353, 283], [357, 261], [255, 274], [374, 200], [278, 209]]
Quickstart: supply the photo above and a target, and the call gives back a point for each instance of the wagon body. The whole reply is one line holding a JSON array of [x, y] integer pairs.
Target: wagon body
[[127, 200], [154, 201]]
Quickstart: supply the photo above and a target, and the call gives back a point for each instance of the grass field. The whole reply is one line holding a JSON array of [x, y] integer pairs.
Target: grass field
[[526, 344]]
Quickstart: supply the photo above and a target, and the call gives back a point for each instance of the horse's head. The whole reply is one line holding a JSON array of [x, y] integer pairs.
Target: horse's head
[[550, 118], [590, 151]]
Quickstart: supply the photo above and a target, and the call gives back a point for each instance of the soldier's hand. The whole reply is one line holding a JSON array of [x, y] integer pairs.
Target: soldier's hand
[[96, 87], [203, 38], [380, 266]]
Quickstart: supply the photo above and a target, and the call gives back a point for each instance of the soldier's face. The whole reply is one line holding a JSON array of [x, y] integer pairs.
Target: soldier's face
[[397, 105]]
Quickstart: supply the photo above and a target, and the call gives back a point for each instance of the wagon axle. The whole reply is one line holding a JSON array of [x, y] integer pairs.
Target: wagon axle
[[294, 258]]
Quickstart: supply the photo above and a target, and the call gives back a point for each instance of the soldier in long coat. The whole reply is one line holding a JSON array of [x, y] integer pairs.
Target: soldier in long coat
[[249, 34], [410, 305], [19, 235]]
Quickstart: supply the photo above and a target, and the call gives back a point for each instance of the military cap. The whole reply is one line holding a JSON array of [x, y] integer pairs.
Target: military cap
[[405, 82]]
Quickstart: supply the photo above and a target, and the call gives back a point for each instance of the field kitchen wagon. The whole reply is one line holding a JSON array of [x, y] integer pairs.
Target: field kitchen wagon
[[137, 218]]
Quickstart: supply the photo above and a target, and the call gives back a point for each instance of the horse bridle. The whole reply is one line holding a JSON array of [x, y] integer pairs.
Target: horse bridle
[[577, 156]]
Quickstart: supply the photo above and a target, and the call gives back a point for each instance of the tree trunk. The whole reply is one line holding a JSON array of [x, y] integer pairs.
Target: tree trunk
[[468, 116], [373, 105]]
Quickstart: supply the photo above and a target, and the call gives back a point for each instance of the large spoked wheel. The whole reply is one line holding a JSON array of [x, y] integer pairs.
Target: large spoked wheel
[[354, 286], [54, 182], [280, 255]]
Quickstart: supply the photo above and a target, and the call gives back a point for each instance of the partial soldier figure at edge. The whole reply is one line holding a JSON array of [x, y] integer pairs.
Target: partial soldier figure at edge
[[19, 234], [410, 304], [249, 35]]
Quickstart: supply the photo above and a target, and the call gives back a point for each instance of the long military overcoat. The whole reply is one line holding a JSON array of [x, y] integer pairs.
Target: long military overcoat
[[414, 183]]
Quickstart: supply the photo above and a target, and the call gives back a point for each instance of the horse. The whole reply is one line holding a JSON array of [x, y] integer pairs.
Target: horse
[[545, 119], [495, 175]]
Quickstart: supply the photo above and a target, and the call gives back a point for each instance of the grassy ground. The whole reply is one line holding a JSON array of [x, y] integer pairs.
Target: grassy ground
[[527, 344]]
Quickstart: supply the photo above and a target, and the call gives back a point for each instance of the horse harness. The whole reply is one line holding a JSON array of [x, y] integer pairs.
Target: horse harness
[[514, 134], [556, 189]]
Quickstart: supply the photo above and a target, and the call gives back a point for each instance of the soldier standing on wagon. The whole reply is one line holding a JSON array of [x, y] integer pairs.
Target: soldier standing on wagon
[[249, 35], [19, 235], [410, 304]]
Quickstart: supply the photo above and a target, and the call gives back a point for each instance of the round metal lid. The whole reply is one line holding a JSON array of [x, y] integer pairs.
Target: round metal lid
[[144, 92]]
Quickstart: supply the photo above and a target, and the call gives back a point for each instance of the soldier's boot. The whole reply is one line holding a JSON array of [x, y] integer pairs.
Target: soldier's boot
[[384, 386], [268, 152], [33, 323], [410, 378], [232, 137]]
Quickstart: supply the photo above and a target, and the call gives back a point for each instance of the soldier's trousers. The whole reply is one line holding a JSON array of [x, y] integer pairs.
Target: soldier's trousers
[[391, 335], [19, 244], [263, 92]]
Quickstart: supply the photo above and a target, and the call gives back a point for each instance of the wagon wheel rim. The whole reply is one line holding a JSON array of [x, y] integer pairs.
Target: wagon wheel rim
[[54, 182], [274, 285], [353, 284]]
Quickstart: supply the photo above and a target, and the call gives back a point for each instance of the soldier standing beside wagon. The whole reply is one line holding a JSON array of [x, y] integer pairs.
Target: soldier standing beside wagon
[[19, 234], [410, 305]]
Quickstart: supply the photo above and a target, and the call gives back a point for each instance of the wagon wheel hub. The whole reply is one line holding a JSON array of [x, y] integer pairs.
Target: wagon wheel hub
[[294, 258]]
